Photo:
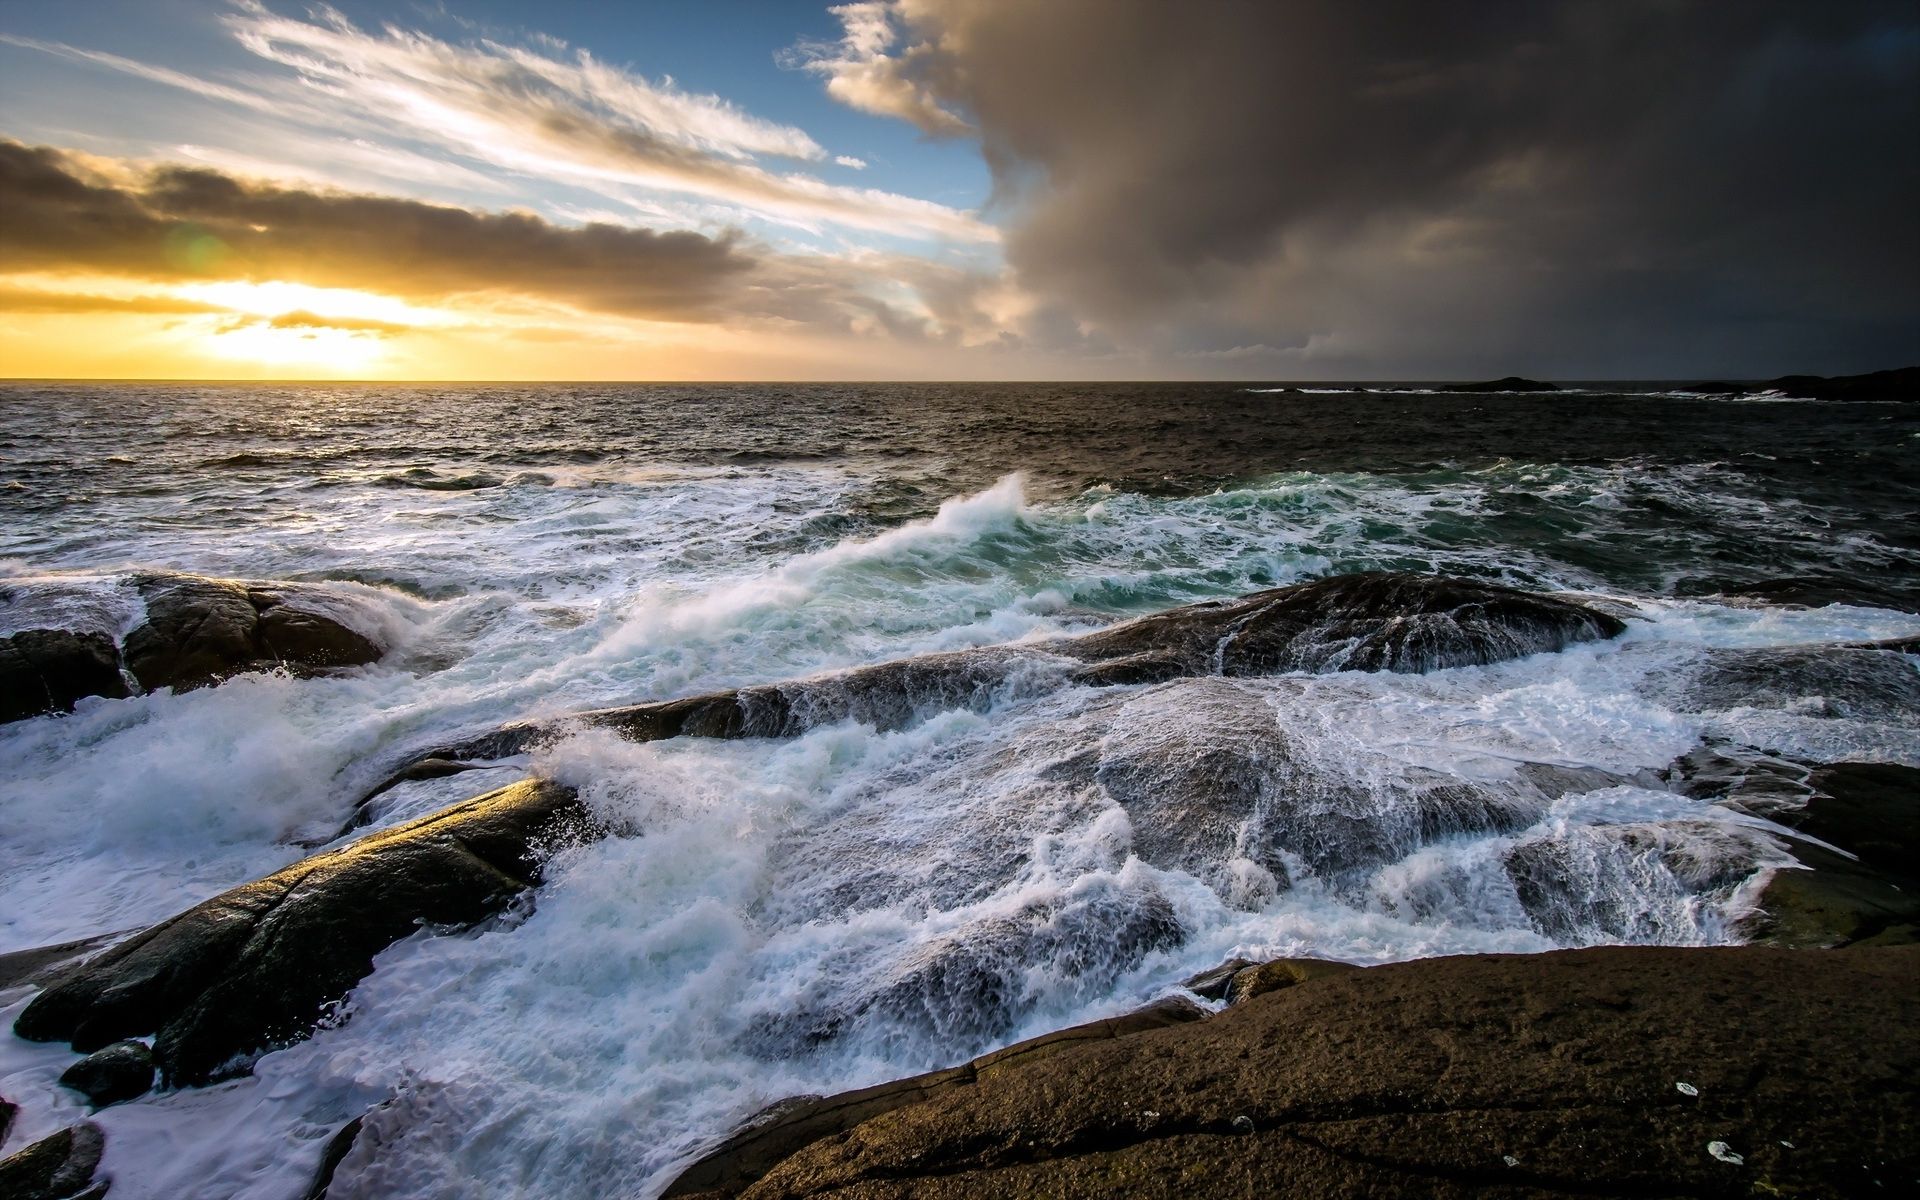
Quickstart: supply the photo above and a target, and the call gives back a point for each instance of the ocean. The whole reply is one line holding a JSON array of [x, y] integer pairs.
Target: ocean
[[803, 915]]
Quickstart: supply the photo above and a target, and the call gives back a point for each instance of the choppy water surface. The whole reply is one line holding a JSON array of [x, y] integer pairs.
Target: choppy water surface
[[817, 913]]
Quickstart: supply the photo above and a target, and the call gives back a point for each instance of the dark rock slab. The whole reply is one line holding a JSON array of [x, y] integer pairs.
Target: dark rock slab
[[1871, 811], [42, 963], [789, 1126], [50, 670], [59, 1167], [120, 1072], [1212, 984], [1373, 621], [256, 966], [199, 631], [1525, 1075], [1512, 383]]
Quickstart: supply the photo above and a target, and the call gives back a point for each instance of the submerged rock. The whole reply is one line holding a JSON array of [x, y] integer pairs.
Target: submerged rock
[[1590, 883], [122, 1071], [50, 670], [58, 1167], [1862, 681], [256, 966], [974, 984], [1539, 1075]]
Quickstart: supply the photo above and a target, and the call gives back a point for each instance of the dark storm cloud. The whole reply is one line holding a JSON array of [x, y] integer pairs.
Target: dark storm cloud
[[1596, 186], [67, 213], [176, 224]]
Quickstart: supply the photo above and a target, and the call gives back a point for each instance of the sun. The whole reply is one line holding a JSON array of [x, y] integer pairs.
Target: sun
[[298, 327], [323, 351]]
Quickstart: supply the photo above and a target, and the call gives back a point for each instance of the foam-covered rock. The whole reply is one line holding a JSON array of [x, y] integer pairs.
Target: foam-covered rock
[[1375, 621]]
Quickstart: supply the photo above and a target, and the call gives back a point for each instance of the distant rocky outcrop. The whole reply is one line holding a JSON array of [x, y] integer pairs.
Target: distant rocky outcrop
[[1512, 383], [1372, 621], [256, 966], [1901, 383], [1621, 1071], [196, 631]]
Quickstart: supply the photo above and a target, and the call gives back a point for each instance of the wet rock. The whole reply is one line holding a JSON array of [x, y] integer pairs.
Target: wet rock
[[255, 966], [59, 1167], [1280, 973], [1213, 984], [1512, 383], [50, 670], [120, 1072], [1377, 621], [1804, 591], [792, 1124], [199, 631], [42, 964], [1524, 1075], [1374, 621], [1829, 902], [7, 1109], [1872, 812]]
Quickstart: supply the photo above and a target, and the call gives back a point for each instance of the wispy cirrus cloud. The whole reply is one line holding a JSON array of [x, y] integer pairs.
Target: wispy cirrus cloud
[[536, 109]]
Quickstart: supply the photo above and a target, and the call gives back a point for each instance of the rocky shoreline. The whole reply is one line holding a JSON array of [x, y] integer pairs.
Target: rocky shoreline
[[1554, 1074]]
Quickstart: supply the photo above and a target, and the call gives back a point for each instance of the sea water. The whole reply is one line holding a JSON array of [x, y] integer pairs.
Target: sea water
[[776, 917]]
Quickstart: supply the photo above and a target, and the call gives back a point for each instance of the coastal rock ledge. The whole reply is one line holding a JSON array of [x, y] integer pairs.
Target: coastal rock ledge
[[195, 632], [1620, 1071]]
